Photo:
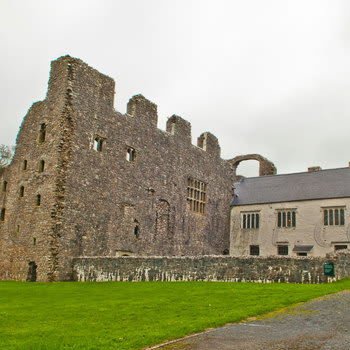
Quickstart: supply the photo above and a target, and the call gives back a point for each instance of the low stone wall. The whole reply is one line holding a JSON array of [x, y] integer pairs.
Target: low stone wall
[[210, 268]]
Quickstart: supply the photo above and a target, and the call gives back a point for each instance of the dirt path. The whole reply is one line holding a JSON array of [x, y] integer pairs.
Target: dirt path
[[318, 324]]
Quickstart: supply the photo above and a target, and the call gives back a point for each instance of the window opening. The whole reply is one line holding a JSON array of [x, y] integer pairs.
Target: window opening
[[41, 166], [21, 191], [38, 200], [301, 254], [250, 220], [34, 241], [136, 229], [17, 228], [98, 143], [2, 214], [24, 167], [42, 133], [340, 247], [254, 250], [282, 250], [131, 154], [286, 218], [333, 216], [196, 195], [4, 186]]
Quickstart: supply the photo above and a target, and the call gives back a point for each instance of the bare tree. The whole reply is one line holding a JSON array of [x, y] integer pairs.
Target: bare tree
[[6, 154]]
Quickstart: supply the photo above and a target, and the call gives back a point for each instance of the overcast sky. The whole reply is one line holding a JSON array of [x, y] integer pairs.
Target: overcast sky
[[264, 76]]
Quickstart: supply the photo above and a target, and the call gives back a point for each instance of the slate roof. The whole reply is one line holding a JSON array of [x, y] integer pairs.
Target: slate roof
[[321, 184]]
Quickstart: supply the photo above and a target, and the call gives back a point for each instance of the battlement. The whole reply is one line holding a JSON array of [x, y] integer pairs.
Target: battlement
[[139, 107]]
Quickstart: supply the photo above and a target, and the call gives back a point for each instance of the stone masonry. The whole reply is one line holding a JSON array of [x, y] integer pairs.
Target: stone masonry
[[87, 180]]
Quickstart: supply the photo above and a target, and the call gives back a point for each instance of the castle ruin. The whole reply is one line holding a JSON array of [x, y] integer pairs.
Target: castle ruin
[[87, 180]]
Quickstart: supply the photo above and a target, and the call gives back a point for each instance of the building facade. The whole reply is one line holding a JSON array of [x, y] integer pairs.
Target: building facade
[[302, 214]]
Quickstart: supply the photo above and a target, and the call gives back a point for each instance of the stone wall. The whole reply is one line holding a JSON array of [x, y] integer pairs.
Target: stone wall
[[210, 268]]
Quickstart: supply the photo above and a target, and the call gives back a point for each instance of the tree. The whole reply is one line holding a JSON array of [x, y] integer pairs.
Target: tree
[[6, 154]]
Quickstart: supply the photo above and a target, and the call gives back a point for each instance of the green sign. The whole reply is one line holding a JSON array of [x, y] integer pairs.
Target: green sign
[[329, 268]]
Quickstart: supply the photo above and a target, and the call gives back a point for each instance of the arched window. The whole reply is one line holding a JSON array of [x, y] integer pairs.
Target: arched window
[[42, 133]]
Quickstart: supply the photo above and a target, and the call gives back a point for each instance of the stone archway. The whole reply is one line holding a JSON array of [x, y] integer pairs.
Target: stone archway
[[265, 166]]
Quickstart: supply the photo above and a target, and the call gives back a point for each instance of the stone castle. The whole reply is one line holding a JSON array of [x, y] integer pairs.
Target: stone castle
[[87, 180]]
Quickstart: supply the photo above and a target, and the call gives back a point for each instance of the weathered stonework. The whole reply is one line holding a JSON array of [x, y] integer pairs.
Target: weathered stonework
[[211, 268], [98, 182]]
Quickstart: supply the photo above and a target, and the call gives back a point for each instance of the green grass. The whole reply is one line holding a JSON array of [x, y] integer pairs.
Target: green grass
[[126, 315]]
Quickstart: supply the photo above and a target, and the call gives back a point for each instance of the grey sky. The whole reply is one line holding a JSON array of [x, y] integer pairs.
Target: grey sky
[[265, 76]]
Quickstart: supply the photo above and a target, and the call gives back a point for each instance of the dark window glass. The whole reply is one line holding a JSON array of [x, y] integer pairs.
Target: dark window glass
[[302, 254], [336, 217], [342, 219], [282, 250], [279, 219], [248, 221], [294, 220], [254, 250], [4, 186], [289, 222], [331, 216], [21, 191], [257, 221], [340, 247], [25, 164], [253, 220], [325, 217], [284, 219], [244, 221]]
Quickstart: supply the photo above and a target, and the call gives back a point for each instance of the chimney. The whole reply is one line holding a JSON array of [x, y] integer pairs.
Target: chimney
[[315, 168]]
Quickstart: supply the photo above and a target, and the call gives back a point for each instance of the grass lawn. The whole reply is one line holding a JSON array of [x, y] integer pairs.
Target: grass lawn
[[132, 315]]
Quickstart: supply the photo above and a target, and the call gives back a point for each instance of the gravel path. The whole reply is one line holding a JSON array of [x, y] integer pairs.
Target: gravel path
[[323, 324]]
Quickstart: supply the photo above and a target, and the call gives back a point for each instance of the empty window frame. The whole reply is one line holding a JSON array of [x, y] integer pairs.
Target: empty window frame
[[2, 214], [286, 218], [42, 133], [130, 154], [41, 166], [250, 220], [282, 250], [333, 216], [24, 165], [4, 186], [254, 250], [98, 143], [196, 195], [21, 191]]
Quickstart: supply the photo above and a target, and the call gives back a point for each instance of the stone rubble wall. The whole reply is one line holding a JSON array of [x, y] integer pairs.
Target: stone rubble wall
[[210, 268]]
